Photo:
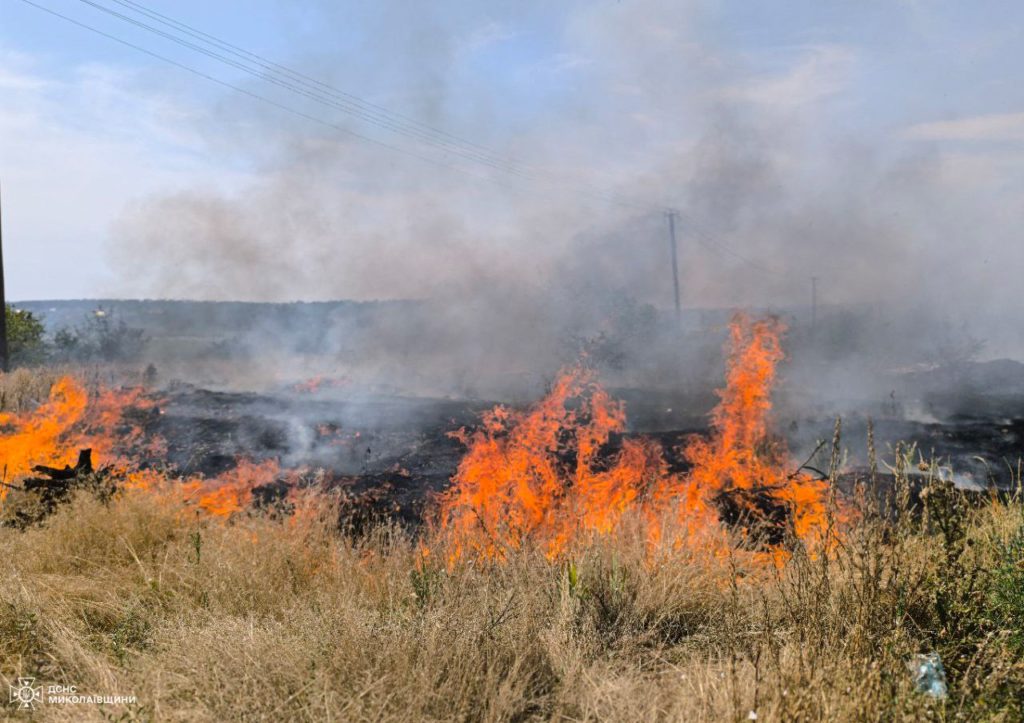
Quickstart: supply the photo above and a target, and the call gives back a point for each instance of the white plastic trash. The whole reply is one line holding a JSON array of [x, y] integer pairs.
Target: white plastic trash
[[929, 675]]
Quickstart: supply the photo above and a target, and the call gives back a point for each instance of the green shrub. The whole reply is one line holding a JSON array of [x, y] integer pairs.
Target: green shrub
[[25, 337], [1007, 599]]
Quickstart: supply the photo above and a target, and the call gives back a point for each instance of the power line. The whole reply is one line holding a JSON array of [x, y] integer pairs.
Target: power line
[[608, 198], [510, 166], [708, 241], [299, 76], [302, 85], [257, 96], [304, 89]]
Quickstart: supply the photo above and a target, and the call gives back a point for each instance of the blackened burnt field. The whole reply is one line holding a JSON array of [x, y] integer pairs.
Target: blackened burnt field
[[391, 453]]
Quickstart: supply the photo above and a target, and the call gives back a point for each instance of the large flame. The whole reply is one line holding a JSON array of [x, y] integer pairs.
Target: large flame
[[535, 476], [741, 459], [42, 435], [553, 475], [549, 475], [73, 419]]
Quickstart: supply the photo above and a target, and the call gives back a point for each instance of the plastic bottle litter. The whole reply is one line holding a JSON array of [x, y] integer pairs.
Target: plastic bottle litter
[[929, 675]]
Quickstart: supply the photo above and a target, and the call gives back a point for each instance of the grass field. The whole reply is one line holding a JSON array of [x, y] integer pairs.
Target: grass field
[[278, 616], [287, 619]]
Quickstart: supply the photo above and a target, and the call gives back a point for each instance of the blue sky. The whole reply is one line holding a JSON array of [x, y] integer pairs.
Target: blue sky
[[896, 127]]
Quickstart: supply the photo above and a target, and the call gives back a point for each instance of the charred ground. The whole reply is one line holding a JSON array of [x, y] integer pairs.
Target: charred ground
[[394, 452]]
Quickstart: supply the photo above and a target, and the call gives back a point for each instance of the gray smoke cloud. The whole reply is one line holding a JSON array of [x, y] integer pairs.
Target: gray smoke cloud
[[643, 103]]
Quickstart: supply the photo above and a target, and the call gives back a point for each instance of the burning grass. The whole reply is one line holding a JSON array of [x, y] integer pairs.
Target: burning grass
[[538, 478], [73, 419], [567, 575]]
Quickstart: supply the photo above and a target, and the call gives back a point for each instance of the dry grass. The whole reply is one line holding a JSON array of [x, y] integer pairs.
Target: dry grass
[[264, 619], [24, 388], [260, 618]]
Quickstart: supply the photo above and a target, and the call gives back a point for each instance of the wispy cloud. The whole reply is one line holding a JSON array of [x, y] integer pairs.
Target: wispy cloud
[[565, 62], [991, 127], [822, 71], [491, 33], [17, 74]]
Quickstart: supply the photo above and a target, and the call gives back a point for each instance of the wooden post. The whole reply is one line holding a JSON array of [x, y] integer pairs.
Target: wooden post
[[5, 361], [814, 303], [675, 262]]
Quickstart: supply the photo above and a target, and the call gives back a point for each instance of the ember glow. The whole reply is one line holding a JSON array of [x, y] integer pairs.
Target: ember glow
[[536, 477]]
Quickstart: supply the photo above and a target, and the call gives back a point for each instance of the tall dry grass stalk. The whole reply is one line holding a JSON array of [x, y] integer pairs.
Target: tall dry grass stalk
[[22, 389], [287, 619]]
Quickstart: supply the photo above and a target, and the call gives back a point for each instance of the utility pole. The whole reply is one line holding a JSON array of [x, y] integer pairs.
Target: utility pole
[[5, 362], [675, 262], [814, 303]]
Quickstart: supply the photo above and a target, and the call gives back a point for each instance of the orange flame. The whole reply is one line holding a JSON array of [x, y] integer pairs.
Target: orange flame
[[231, 492], [318, 383], [72, 419], [539, 476], [40, 436], [556, 474], [68, 421], [535, 475], [741, 456]]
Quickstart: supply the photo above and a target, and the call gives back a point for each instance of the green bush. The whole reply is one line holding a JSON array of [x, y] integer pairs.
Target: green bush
[[102, 337], [1007, 600], [25, 337]]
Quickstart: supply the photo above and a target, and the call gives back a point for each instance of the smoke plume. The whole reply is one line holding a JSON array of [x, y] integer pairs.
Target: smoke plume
[[642, 108]]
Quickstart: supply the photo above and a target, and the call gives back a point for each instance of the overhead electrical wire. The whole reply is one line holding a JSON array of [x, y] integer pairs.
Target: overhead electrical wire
[[256, 96], [492, 159], [378, 116], [708, 241], [299, 76], [594, 194], [312, 94]]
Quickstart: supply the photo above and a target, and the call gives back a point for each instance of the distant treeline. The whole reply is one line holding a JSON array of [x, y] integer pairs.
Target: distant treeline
[[215, 319]]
